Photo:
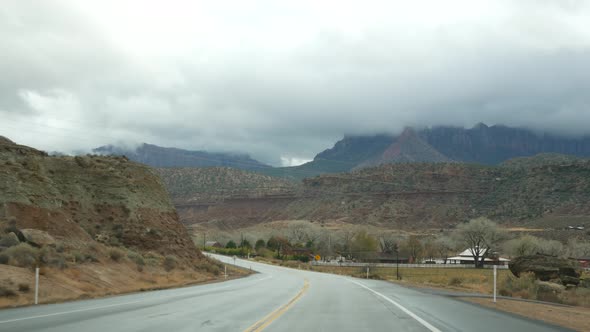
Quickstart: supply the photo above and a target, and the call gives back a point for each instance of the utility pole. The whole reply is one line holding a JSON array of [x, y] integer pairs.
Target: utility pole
[[204, 240]]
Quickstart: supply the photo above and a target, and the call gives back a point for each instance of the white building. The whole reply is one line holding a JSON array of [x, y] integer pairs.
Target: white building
[[466, 257]]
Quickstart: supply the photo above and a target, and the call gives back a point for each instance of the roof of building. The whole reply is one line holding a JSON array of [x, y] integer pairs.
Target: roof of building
[[470, 258]]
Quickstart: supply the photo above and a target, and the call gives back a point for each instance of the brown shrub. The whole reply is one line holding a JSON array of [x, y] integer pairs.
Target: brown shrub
[[6, 292], [22, 255], [25, 288], [115, 254], [456, 281], [170, 263]]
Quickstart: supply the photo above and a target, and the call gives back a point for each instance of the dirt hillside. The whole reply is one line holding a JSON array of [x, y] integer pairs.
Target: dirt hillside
[[89, 213]]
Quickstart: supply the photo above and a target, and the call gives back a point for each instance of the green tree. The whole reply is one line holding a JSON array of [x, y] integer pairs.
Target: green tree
[[259, 244], [231, 244], [245, 244], [279, 244]]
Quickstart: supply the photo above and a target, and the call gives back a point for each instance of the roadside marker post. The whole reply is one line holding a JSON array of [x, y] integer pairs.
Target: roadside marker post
[[495, 277], [367, 272], [225, 270], [37, 285]]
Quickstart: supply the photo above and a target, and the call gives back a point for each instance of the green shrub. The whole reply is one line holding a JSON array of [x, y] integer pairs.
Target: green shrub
[[4, 258], [210, 267], [136, 258], [152, 259], [22, 255], [50, 257], [169, 263], [524, 287], [9, 240]]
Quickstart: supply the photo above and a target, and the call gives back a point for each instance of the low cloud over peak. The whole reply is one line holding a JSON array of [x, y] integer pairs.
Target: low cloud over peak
[[284, 80]]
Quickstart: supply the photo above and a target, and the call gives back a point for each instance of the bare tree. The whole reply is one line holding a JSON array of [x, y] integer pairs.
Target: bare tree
[[297, 233], [414, 247], [578, 248], [388, 243], [551, 247], [522, 246], [481, 236], [444, 247]]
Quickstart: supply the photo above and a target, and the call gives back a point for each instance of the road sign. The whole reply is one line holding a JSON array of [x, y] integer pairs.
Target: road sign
[[317, 257]]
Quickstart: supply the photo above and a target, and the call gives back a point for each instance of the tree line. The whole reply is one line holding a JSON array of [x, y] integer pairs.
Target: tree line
[[483, 238]]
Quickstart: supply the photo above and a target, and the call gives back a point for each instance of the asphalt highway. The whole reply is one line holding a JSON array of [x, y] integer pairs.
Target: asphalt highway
[[275, 299]]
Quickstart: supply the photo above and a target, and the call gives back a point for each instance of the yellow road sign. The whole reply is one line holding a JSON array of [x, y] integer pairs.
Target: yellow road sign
[[317, 257]]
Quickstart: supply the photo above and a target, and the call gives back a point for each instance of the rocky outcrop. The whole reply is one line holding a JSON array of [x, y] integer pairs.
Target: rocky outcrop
[[548, 268], [73, 199], [37, 237]]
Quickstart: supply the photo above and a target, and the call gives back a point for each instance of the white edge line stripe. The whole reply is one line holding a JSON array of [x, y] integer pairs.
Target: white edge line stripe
[[411, 314], [101, 307]]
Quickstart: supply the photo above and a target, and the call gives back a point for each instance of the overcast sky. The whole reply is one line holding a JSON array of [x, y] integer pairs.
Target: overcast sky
[[283, 80]]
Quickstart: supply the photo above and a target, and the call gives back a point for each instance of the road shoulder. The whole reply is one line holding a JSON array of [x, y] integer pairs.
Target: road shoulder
[[575, 318]]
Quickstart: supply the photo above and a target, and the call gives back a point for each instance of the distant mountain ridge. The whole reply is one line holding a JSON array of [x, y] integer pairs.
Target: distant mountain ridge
[[482, 144], [157, 156]]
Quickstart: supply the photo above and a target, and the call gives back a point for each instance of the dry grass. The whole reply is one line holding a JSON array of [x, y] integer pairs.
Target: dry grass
[[475, 280], [470, 280], [576, 318], [92, 280]]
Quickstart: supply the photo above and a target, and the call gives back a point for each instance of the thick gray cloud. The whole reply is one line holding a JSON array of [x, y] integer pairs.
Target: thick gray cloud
[[284, 80]]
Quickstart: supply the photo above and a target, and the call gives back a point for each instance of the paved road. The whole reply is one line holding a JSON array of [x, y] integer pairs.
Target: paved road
[[276, 299]]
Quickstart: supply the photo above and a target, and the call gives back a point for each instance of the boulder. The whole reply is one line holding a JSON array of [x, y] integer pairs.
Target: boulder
[[38, 238], [547, 268]]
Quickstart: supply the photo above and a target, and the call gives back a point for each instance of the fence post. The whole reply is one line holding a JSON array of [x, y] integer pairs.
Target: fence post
[[495, 274], [37, 285]]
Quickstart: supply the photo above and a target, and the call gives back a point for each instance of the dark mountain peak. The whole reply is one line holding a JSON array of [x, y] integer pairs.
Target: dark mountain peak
[[157, 156], [407, 133], [481, 126], [407, 147]]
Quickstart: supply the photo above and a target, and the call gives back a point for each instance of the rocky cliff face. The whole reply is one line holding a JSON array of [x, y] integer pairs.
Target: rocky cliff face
[[157, 156], [493, 145], [480, 144], [80, 200]]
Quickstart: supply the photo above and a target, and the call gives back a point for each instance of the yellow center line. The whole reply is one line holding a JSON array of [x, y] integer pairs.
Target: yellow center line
[[266, 320]]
